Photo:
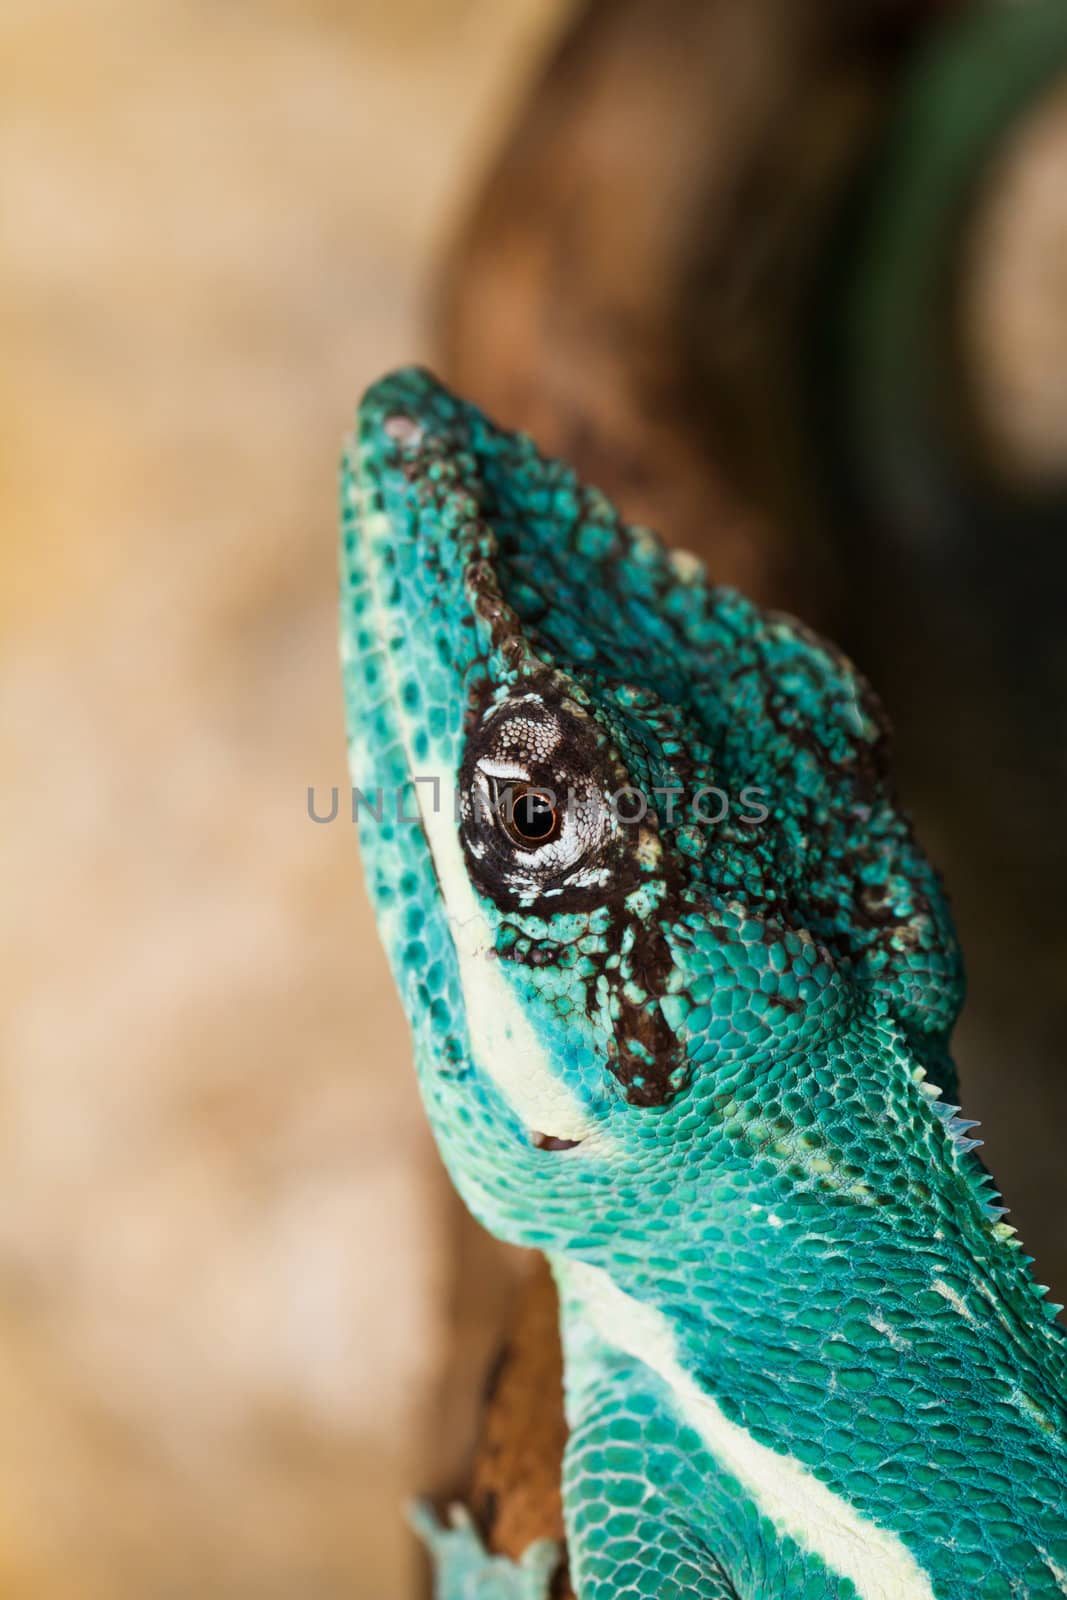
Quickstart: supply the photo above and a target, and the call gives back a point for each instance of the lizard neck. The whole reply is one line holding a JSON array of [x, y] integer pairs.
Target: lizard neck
[[910, 1433], [895, 1357], [825, 1301]]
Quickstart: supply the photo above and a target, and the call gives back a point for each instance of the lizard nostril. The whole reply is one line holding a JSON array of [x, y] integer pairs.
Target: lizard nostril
[[403, 430]]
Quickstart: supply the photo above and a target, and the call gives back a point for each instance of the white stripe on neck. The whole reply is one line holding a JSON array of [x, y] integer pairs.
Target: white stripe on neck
[[796, 1502]]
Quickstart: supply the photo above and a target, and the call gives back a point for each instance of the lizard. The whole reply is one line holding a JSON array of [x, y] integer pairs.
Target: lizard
[[696, 1050]]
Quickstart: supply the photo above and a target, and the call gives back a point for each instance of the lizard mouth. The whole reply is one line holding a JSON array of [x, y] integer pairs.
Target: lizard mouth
[[549, 1141]]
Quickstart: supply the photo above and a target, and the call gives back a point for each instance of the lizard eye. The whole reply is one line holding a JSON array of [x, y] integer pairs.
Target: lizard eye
[[529, 816], [535, 813]]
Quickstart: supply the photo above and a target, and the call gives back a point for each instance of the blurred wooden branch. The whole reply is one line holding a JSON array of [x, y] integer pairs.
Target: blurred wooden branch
[[515, 1486], [626, 284]]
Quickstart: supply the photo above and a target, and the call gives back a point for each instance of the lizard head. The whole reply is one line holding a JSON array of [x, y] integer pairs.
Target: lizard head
[[630, 840]]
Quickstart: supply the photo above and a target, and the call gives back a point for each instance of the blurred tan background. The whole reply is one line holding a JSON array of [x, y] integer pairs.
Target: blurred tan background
[[226, 1252]]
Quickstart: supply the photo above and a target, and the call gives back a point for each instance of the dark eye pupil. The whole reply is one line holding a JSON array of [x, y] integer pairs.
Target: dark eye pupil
[[533, 817]]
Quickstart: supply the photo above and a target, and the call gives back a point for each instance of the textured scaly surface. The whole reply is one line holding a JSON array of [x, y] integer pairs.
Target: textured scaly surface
[[701, 1060]]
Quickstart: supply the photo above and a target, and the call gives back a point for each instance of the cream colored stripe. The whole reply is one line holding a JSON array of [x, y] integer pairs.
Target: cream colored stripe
[[799, 1504]]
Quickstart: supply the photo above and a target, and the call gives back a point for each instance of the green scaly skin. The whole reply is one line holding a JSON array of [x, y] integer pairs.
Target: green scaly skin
[[702, 1064]]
